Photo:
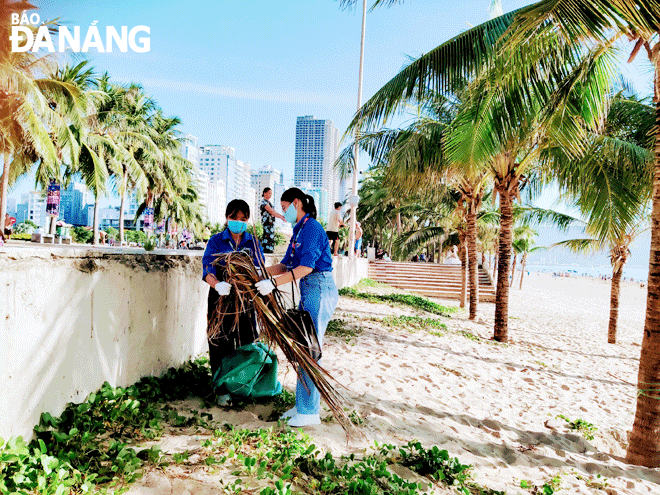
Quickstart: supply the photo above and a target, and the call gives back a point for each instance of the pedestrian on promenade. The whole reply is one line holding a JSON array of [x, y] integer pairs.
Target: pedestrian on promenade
[[334, 225], [307, 259], [358, 238], [234, 238], [8, 226], [268, 216]]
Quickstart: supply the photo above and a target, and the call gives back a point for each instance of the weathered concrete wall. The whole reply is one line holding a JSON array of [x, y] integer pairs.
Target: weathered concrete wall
[[73, 318]]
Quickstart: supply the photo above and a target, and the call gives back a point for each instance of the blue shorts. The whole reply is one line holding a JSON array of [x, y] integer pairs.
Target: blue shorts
[[358, 244]]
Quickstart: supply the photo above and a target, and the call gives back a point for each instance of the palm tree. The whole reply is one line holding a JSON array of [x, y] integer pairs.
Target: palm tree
[[168, 168], [615, 198], [602, 23], [28, 125]]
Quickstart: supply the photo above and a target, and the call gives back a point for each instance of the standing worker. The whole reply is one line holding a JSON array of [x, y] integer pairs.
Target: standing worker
[[333, 227], [268, 215], [307, 259], [234, 238]]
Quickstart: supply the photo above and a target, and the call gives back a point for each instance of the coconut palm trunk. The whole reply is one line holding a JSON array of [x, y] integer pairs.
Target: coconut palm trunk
[[513, 269], [473, 266], [644, 445], [501, 332], [615, 291], [4, 188], [462, 252], [121, 217], [522, 273], [96, 221], [497, 258]]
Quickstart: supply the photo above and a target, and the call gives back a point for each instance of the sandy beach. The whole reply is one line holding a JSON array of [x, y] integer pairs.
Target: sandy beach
[[494, 406]]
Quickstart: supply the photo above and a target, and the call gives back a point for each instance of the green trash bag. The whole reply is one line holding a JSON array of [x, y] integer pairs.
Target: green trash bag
[[250, 371]]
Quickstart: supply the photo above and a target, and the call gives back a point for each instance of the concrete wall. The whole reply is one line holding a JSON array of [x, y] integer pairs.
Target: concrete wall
[[73, 318]]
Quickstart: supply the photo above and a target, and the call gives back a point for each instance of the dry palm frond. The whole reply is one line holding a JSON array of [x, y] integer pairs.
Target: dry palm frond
[[240, 272]]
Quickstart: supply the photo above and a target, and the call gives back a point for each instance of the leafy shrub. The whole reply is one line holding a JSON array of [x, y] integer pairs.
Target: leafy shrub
[[81, 235], [21, 237]]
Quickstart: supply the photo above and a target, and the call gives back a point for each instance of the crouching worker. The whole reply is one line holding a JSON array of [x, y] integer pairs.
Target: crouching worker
[[223, 354]]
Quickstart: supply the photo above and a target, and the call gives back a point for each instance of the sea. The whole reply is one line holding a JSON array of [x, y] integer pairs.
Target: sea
[[629, 273]]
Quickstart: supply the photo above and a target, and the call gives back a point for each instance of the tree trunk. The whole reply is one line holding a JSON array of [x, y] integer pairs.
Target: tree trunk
[[96, 221], [473, 266], [644, 446], [501, 332], [522, 273], [462, 252], [614, 303], [398, 223], [495, 262], [513, 269], [121, 217], [4, 188], [52, 224]]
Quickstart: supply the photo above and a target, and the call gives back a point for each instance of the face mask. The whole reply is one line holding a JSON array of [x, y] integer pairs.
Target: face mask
[[236, 226], [291, 214]]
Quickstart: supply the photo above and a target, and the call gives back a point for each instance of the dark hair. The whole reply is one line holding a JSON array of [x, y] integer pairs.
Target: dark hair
[[307, 201], [266, 189], [237, 206], [337, 205]]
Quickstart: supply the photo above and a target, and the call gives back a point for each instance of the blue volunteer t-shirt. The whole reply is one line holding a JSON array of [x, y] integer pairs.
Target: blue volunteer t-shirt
[[222, 242], [312, 248]]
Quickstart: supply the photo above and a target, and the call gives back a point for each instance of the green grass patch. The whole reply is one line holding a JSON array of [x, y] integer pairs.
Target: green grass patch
[[415, 323], [410, 300], [340, 328], [586, 429]]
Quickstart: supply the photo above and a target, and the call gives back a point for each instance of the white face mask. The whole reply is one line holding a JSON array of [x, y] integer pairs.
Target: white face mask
[[291, 214]]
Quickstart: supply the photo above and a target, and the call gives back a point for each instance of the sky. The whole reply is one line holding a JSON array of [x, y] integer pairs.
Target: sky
[[239, 72]]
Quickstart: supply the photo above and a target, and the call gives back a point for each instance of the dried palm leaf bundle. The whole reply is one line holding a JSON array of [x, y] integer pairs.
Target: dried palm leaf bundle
[[240, 272]]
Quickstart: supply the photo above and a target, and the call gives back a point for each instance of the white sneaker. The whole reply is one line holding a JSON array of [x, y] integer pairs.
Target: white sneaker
[[290, 413], [304, 420], [224, 400]]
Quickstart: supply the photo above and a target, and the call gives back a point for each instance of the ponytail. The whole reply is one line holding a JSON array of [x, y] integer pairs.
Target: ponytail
[[307, 201]]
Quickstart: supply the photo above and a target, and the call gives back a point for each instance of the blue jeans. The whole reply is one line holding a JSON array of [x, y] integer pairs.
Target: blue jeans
[[319, 296]]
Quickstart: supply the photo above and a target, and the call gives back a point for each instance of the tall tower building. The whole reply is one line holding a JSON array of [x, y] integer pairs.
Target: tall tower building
[[317, 145], [220, 164]]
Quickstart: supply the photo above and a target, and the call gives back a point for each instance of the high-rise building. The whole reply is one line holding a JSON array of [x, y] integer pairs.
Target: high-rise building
[[190, 151], [21, 212], [216, 201], [320, 196], [317, 144], [36, 210], [72, 202], [220, 164], [268, 177], [11, 207]]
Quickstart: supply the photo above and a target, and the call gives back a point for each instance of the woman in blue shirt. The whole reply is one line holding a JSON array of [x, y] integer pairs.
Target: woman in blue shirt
[[308, 259], [234, 238]]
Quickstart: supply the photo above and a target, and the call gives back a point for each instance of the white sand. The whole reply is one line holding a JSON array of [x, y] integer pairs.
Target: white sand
[[491, 405]]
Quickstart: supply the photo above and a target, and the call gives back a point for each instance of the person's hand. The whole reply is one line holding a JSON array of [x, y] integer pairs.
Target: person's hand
[[265, 287], [223, 288]]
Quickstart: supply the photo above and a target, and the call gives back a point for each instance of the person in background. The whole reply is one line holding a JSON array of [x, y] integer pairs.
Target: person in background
[[386, 257], [8, 226], [334, 225], [307, 259], [422, 257], [358, 239], [234, 238], [268, 216]]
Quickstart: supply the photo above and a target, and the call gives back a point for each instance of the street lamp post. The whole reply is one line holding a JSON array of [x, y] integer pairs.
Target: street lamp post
[[353, 202]]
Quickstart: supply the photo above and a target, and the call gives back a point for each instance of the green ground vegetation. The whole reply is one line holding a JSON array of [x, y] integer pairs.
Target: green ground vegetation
[[98, 446], [409, 300]]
